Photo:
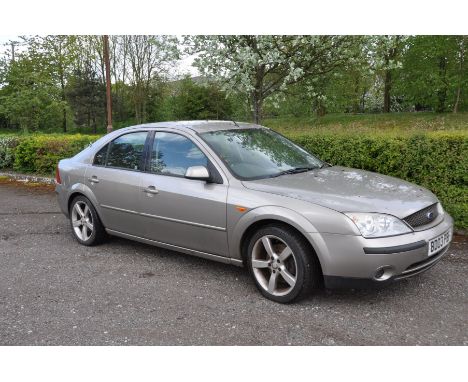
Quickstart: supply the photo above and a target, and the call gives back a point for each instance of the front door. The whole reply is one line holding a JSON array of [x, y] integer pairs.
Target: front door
[[179, 211]]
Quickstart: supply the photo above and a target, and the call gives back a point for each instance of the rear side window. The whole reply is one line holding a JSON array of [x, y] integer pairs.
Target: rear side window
[[172, 154], [100, 157], [126, 151]]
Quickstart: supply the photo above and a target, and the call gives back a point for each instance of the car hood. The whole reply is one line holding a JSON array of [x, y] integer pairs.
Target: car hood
[[349, 190]]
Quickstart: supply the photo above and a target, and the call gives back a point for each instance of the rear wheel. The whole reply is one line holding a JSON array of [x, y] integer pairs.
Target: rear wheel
[[85, 223], [282, 264]]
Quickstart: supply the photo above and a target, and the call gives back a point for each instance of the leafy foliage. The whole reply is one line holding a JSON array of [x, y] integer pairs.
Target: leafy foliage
[[191, 101], [263, 66], [56, 83], [41, 153], [8, 145], [435, 160], [29, 98]]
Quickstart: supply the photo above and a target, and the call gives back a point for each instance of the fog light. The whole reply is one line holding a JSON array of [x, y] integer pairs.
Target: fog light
[[380, 272], [384, 273]]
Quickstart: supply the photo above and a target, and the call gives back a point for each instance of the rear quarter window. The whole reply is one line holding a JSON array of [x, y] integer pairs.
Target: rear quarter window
[[101, 156]]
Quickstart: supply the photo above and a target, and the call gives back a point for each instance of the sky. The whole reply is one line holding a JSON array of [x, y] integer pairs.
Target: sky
[[184, 65]]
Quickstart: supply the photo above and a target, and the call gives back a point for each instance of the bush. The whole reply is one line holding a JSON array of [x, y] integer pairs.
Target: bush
[[7, 151], [41, 153], [436, 160]]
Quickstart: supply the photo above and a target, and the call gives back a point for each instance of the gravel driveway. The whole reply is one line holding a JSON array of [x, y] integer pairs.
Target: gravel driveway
[[56, 292]]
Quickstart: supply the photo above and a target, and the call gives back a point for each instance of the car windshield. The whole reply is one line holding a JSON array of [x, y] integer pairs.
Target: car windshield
[[259, 153]]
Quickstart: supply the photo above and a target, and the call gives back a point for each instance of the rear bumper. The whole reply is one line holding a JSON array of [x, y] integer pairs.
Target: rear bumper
[[62, 198], [353, 261]]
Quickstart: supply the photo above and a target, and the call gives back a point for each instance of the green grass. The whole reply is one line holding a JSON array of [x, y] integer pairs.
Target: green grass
[[393, 123], [425, 148]]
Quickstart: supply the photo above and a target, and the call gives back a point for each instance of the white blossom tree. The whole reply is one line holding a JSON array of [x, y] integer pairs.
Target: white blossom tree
[[263, 66], [386, 52]]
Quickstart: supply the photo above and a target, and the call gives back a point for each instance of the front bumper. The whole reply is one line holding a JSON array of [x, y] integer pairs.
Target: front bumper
[[353, 261]]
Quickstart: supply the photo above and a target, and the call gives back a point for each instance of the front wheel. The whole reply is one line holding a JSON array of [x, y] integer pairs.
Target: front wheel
[[85, 223], [282, 264]]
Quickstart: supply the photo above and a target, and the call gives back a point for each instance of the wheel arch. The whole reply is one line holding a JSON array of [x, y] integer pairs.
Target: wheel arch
[[81, 189], [264, 216]]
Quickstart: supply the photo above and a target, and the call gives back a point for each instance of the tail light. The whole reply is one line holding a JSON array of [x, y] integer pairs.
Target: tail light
[[58, 180]]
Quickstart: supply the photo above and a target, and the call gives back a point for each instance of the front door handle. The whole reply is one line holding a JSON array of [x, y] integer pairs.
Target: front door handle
[[151, 190], [93, 179]]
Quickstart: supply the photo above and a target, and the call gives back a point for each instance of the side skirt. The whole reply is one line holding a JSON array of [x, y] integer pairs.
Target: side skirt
[[204, 255]]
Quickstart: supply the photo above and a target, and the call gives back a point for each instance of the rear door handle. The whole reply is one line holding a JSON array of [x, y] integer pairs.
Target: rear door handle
[[93, 179], [151, 190]]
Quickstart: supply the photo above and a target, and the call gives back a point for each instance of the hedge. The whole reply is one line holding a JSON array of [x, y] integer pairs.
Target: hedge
[[40, 153], [435, 160]]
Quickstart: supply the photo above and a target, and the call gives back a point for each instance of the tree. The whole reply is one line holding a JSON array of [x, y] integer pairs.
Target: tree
[[386, 52], [57, 54], [28, 97], [462, 80], [192, 100], [149, 58], [85, 93], [433, 75], [264, 66]]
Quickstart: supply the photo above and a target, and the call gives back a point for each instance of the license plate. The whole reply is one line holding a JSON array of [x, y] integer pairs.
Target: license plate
[[439, 242]]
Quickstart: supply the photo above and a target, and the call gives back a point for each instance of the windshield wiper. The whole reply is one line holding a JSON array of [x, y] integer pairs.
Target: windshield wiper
[[295, 170]]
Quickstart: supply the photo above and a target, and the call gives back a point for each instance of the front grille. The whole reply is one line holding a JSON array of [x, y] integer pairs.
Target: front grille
[[422, 217]]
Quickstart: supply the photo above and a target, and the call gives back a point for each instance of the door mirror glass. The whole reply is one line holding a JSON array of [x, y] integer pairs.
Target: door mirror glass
[[197, 172]]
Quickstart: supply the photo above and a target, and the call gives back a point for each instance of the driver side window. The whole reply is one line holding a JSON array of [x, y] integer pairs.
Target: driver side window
[[172, 154]]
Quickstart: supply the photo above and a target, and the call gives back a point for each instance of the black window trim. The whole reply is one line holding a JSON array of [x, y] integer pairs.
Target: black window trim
[[217, 178]]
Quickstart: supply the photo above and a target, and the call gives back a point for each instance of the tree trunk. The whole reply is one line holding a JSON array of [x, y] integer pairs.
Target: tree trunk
[[258, 96], [442, 92], [460, 74], [363, 101], [321, 110], [457, 99], [390, 56], [387, 89], [64, 122], [356, 98], [257, 107], [62, 85]]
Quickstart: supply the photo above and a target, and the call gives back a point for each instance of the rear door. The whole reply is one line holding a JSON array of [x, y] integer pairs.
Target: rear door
[[114, 179], [179, 211]]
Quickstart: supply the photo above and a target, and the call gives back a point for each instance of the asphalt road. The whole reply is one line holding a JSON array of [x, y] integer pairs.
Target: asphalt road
[[54, 291]]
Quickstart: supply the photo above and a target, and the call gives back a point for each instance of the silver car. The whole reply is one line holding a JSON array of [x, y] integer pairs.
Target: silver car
[[242, 194]]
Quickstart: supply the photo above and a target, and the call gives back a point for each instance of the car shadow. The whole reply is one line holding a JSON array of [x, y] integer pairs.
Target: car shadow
[[209, 267]]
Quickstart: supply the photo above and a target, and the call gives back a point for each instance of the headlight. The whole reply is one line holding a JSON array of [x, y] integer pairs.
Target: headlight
[[440, 209], [378, 225]]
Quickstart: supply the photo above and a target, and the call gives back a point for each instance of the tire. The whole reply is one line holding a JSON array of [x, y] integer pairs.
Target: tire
[[295, 274], [86, 226]]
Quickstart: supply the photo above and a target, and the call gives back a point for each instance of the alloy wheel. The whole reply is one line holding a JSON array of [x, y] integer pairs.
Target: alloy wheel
[[274, 265], [82, 220]]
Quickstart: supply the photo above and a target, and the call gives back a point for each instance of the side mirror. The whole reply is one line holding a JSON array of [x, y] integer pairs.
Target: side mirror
[[197, 173]]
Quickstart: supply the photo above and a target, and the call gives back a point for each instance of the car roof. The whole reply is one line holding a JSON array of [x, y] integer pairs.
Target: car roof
[[200, 126]]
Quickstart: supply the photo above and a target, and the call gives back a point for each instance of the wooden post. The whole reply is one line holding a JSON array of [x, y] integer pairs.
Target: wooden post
[[108, 83]]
